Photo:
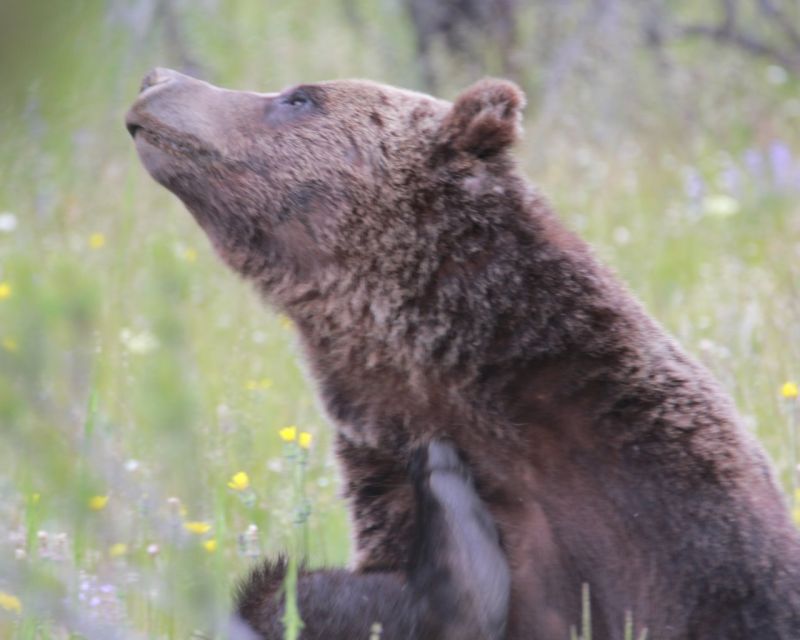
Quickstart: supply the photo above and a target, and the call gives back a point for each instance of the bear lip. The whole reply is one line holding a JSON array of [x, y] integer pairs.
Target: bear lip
[[165, 143], [166, 139]]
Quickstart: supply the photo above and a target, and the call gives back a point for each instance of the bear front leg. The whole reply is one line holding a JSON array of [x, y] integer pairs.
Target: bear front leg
[[458, 574], [381, 503], [455, 586]]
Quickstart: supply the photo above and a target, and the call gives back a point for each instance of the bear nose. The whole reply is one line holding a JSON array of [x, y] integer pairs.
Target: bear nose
[[159, 75]]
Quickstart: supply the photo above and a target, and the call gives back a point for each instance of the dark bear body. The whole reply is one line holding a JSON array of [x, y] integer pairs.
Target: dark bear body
[[437, 296]]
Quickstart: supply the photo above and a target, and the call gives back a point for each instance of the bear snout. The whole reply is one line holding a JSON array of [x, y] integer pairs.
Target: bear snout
[[177, 115], [159, 75], [164, 97]]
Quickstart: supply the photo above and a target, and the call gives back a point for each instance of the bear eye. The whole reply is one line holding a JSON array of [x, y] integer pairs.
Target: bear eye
[[297, 99], [292, 105]]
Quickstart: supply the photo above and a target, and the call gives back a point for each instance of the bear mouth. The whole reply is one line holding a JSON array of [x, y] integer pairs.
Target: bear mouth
[[168, 144]]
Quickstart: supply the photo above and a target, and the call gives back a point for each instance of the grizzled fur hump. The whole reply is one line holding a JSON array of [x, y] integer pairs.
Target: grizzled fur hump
[[259, 592], [485, 118]]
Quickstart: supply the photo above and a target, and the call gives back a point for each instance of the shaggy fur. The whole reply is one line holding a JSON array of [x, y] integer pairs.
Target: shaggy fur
[[437, 295]]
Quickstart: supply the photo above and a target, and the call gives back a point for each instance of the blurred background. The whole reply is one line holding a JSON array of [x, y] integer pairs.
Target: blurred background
[[146, 395]]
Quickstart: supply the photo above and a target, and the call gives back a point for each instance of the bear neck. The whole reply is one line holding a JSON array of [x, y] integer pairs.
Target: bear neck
[[472, 283]]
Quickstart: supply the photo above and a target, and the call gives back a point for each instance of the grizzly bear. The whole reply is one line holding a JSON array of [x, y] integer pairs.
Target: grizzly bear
[[437, 296]]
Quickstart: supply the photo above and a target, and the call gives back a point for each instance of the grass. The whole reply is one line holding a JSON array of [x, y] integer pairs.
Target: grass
[[138, 376]]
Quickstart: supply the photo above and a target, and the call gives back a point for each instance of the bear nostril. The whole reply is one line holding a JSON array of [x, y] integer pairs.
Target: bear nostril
[[158, 75]]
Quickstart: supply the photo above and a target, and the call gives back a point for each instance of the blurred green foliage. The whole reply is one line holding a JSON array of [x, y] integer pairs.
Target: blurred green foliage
[[134, 366]]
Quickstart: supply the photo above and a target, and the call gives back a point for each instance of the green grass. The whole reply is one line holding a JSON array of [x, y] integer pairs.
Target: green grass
[[133, 365]]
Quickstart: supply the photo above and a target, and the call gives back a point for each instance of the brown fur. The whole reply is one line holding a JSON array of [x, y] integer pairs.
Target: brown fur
[[437, 295]]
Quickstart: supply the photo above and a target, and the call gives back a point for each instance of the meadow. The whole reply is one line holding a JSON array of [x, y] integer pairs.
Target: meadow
[[158, 432]]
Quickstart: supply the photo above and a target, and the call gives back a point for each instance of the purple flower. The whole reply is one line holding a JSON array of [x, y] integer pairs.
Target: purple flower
[[693, 186], [782, 164], [754, 162], [730, 179]]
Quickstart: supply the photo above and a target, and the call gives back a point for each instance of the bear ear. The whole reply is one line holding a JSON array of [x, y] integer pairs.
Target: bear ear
[[485, 118]]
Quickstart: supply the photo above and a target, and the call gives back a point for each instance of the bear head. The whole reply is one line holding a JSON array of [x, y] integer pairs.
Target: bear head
[[326, 179]]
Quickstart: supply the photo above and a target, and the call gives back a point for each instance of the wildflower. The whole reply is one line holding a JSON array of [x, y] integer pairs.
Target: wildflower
[[60, 548], [776, 75], [285, 321], [693, 185], [790, 390], [288, 434], [253, 385], [248, 542], [5, 290], [239, 482], [621, 236], [98, 503], [10, 602], [8, 222], [35, 497], [304, 440], [720, 206], [118, 550], [754, 162], [97, 240], [152, 550], [197, 527], [190, 255], [138, 343], [176, 507], [782, 163], [10, 345], [210, 545]]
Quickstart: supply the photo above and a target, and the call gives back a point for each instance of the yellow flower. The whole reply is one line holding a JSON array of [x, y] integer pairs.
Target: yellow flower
[[98, 503], [304, 440], [210, 545], [288, 434], [118, 550], [252, 385], [285, 321], [790, 390], [10, 345], [97, 240], [10, 602], [239, 482], [5, 290], [190, 255], [197, 527]]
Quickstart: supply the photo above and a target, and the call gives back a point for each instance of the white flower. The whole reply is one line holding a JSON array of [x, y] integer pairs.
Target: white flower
[[720, 206], [8, 222], [776, 75], [138, 343]]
